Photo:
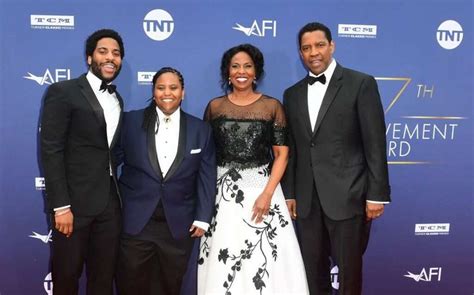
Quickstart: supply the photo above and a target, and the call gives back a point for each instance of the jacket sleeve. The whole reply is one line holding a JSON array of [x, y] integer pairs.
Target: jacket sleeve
[[288, 180], [207, 180], [372, 126], [55, 121]]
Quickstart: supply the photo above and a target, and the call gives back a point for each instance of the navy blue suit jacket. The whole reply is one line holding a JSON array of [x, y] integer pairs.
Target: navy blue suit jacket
[[187, 191]]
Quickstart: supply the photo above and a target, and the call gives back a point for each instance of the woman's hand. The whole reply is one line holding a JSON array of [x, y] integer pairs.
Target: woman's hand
[[261, 207]]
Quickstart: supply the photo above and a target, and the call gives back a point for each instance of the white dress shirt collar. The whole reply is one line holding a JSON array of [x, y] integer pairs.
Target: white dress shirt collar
[[175, 117], [94, 81]]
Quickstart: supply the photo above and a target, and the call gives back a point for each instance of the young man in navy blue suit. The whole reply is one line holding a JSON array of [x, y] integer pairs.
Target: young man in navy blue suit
[[168, 187], [337, 178]]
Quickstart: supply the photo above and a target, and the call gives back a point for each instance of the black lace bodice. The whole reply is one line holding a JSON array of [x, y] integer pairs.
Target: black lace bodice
[[244, 135]]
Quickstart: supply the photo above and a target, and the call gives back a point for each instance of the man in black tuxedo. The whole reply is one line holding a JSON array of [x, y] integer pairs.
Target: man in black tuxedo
[[78, 130], [168, 188], [337, 177]]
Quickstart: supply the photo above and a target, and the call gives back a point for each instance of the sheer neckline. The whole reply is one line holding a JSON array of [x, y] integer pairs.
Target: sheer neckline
[[243, 105]]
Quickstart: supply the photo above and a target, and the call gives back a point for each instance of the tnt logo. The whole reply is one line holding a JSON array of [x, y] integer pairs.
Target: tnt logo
[[335, 277], [48, 284], [49, 77], [258, 29], [449, 34], [158, 24]]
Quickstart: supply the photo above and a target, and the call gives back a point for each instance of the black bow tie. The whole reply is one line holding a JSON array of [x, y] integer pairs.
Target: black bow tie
[[109, 87], [312, 80]]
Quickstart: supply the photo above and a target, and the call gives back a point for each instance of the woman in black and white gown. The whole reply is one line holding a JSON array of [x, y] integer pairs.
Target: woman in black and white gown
[[251, 245]]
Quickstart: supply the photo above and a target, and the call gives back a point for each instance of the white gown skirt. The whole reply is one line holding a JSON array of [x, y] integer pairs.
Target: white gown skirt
[[240, 257]]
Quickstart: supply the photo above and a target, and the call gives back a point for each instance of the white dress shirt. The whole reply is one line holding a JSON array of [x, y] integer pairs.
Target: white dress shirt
[[166, 142], [109, 103], [316, 93], [166, 139]]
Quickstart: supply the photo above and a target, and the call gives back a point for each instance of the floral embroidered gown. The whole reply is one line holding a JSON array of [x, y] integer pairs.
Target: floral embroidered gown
[[236, 255]]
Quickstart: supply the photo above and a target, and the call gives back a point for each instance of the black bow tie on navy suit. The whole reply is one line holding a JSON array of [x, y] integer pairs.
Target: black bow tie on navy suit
[[311, 80], [109, 87]]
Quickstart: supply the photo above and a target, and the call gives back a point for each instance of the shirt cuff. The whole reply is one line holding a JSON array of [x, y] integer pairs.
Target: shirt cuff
[[61, 208], [377, 202], [201, 224]]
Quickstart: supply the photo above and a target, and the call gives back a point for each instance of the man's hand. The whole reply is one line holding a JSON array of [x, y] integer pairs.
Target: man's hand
[[291, 204], [196, 231], [373, 210], [63, 220]]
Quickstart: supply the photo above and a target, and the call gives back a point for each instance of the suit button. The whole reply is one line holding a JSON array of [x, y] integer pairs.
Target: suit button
[[312, 144]]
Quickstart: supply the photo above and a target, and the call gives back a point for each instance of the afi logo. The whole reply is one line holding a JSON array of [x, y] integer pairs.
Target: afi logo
[[43, 238], [50, 77], [48, 284], [449, 34], [158, 24], [335, 277], [433, 273], [266, 27]]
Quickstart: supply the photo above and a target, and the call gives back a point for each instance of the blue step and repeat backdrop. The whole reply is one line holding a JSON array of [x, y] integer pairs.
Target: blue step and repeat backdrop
[[420, 52]]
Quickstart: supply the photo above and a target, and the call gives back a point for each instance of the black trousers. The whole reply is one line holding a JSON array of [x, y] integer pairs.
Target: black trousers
[[152, 262], [94, 241], [322, 238]]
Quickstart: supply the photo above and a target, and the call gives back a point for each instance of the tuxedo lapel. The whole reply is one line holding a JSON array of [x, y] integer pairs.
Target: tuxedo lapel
[[302, 100], [151, 146], [181, 147], [333, 87], [117, 131], [88, 93]]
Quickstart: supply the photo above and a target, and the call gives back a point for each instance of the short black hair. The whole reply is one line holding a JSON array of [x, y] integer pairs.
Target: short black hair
[[314, 26], [91, 42], [254, 53], [168, 70]]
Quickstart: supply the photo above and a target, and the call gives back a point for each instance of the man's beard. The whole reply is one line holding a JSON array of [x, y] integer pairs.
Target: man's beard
[[95, 69]]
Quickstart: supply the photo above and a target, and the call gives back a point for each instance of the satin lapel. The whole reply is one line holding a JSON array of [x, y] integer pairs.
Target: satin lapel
[[91, 98], [302, 99], [181, 147], [333, 87], [117, 131], [151, 146]]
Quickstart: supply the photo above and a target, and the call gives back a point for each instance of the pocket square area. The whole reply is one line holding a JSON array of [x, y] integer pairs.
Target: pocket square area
[[195, 151]]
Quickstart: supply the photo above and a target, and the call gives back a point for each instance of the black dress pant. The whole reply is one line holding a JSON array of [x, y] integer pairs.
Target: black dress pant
[[94, 241], [322, 238], [152, 262]]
